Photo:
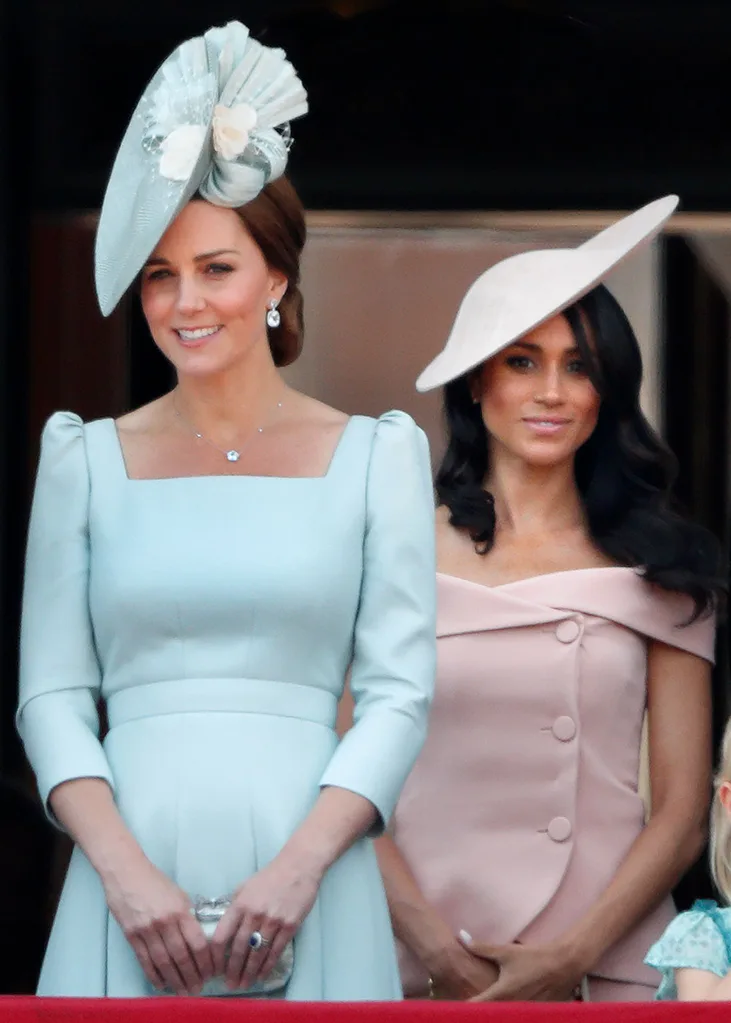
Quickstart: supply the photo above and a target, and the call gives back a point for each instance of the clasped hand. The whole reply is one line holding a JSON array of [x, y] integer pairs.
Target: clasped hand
[[170, 945], [273, 903], [458, 975], [155, 916], [528, 973]]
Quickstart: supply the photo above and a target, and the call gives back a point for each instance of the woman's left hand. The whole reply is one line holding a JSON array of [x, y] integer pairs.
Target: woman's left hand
[[273, 903], [529, 973]]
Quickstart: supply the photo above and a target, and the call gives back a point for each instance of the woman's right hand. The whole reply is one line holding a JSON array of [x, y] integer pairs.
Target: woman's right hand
[[458, 975], [154, 914]]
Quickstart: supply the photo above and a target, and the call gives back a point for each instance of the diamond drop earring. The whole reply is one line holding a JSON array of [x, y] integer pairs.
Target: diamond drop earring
[[273, 317]]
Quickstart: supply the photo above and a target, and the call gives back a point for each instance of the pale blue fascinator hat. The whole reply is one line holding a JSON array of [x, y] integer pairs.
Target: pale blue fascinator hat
[[213, 120]]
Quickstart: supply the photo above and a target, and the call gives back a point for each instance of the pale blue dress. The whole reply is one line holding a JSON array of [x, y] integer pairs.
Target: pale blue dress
[[699, 939], [216, 618]]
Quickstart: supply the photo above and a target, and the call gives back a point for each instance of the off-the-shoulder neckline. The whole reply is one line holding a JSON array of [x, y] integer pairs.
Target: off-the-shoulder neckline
[[537, 578], [227, 476]]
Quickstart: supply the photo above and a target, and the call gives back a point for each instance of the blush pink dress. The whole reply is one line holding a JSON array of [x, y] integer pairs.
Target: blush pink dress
[[524, 800]]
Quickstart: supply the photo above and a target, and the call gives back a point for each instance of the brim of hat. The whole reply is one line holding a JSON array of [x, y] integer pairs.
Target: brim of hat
[[605, 251], [139, 203]]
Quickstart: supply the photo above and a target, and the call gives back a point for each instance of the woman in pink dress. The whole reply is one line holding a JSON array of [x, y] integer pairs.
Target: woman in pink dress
[[572, 599]]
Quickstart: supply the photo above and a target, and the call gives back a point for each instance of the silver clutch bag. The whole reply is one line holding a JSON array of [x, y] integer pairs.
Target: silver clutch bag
[[208, 912]]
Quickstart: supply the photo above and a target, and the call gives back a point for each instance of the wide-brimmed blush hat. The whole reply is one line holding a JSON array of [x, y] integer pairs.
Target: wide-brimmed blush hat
[[523, 291], [213, 120]]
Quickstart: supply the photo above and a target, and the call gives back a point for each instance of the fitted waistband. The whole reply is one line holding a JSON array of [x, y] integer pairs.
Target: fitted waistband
[[222, 696]]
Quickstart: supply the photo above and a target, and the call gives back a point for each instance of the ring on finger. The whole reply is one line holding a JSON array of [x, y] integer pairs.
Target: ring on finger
[[258, 941]]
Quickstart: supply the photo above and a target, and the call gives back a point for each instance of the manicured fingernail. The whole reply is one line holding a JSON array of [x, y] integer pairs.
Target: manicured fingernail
[[466, 937]]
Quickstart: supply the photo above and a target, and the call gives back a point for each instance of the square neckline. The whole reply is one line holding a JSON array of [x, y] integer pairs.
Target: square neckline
[[224, 476]]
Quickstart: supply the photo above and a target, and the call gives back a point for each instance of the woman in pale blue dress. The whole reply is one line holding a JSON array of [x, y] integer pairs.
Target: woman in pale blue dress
[[210, 566]]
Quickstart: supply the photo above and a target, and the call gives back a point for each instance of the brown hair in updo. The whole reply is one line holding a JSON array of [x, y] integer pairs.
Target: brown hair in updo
[[276, 222]]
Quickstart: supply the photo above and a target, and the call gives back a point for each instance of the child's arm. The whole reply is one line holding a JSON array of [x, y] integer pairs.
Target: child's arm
[[693, 956], [702, 986]]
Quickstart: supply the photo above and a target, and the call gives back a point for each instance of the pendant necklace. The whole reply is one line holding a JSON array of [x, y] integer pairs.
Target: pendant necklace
[[234, 454]]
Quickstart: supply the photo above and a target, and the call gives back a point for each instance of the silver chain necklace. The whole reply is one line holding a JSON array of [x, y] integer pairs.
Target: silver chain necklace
[[235, 453]]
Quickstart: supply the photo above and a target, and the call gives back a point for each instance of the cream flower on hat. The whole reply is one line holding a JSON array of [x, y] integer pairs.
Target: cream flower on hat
[[179, 151], [231, 129]]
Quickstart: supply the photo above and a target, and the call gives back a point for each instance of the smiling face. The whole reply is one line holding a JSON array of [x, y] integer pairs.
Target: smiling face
[[538, 403], [206, 290]]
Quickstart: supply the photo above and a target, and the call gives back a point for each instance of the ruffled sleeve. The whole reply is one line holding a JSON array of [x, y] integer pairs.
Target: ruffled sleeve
[[59, 672], [696, 940], [394, 660]]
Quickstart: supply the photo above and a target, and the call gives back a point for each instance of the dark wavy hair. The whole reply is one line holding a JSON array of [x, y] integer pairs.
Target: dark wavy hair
[[624, 471]]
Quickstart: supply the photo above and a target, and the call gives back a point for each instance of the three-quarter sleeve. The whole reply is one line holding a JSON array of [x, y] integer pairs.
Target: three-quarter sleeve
[[394, 659], [59, 671]]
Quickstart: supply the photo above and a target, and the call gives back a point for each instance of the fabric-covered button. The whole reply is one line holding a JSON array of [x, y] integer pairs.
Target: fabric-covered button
[[559, 829], [564, 728], [567, 632]]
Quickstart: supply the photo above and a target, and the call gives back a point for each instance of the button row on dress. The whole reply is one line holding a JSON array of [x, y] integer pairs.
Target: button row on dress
[[564, 729]]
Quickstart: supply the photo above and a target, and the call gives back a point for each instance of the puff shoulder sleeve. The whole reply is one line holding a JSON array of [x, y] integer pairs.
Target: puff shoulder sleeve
[[696, 940], [59, 672], [394, 657]]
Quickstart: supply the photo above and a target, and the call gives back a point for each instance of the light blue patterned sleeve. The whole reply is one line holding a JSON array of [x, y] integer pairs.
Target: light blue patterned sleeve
[[696, 940], [394, 658], [59, 672]]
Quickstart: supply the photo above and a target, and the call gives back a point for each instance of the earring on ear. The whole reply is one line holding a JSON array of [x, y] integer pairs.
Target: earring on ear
[[273, 317]]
